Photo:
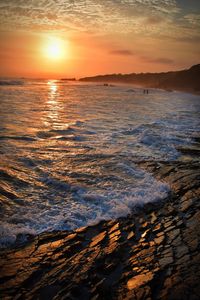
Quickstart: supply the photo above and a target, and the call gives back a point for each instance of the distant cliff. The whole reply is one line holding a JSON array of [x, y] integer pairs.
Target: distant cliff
[[187, 80]]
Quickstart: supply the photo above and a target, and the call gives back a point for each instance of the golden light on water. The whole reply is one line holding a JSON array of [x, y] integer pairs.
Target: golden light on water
[[52, 87], [54, 109], [52, 118]]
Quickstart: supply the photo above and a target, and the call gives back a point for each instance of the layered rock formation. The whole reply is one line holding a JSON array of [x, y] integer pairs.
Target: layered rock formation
[[151, 254]]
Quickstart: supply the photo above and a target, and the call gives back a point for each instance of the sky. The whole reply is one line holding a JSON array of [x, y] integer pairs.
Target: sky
[[76, 38]]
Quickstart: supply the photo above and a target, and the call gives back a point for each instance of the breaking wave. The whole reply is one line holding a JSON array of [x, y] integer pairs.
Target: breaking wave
[[69, 152]]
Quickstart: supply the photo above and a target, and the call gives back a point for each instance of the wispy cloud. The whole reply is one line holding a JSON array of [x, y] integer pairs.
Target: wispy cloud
[[159, 60], [120, 27], [193, 19], [141, 17], [123, 52], [110, 15], [154, 20]]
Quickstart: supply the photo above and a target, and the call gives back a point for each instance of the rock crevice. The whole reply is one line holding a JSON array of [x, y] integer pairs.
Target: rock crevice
[[151, 254]]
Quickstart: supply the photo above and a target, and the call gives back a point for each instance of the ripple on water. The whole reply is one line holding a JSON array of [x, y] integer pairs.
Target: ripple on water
[[68, 152]]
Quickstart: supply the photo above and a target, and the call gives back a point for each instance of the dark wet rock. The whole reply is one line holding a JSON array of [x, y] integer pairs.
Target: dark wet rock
[[151, 254]]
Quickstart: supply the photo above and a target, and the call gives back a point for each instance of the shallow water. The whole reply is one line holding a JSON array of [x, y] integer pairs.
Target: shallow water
[[69, 151]]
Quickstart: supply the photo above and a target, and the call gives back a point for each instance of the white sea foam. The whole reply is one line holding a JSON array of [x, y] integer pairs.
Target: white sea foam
[[70, 152], [83, 205]]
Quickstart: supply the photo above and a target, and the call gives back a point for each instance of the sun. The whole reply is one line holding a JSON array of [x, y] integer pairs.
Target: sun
[[55, 49]]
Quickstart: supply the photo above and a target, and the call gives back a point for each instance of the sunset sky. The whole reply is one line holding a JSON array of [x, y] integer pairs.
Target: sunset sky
[[56, 38]]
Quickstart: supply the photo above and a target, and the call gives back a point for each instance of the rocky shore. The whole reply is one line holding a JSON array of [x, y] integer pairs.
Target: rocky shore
[[151, 254]]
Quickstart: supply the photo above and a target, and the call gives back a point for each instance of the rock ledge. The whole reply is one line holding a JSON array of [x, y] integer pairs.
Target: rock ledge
[[151, 254]]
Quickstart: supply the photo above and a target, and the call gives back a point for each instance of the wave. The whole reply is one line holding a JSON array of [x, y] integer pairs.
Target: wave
[[67, 204], [68, 154], [22, 138], [69, 133], [11, 82]]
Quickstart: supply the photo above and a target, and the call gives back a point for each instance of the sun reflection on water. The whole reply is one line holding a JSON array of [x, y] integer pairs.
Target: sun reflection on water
[[52, 87], [54, 106]]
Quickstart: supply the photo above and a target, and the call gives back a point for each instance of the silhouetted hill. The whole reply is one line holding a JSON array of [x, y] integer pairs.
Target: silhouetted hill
[[185, 80]]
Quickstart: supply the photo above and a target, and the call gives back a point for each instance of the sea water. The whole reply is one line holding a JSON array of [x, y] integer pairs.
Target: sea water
[[69, 151]]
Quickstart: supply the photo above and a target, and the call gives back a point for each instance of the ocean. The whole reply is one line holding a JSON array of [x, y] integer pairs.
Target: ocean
[[70, 151]]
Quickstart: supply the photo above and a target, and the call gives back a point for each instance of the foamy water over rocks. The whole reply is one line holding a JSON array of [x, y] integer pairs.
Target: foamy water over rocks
[[70, 152]]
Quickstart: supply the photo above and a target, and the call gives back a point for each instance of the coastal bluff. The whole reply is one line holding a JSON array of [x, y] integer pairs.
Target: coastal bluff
[[151, 254], [185, 80]]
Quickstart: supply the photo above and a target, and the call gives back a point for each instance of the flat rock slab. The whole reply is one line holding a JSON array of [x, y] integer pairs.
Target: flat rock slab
[[151, 254]]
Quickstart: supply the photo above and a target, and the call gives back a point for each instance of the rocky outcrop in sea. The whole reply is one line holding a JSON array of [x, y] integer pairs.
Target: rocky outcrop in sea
[[151, 254]]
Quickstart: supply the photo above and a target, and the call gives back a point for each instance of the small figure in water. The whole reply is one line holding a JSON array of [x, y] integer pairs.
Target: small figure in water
[[145, 91]]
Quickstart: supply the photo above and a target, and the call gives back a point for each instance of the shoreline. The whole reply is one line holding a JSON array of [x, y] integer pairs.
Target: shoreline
[[137, 210], [132, 85], [151, 253], [183, 80]]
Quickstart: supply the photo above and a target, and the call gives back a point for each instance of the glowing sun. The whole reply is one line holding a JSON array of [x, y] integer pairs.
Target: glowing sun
[[55, 49]]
